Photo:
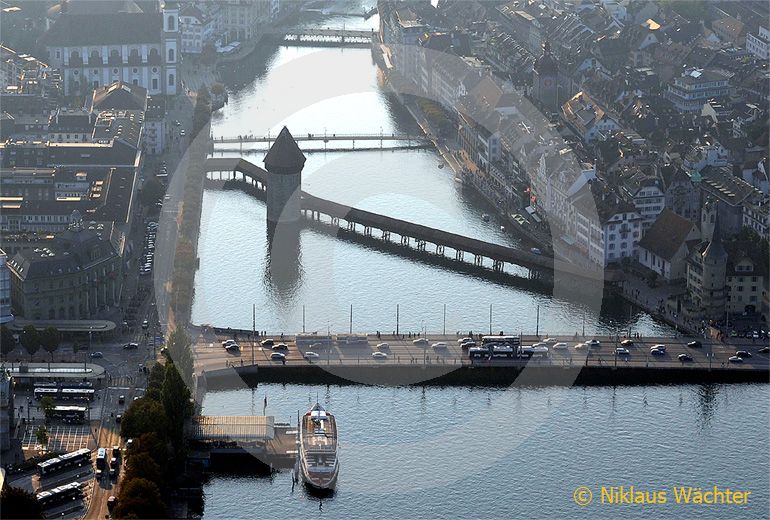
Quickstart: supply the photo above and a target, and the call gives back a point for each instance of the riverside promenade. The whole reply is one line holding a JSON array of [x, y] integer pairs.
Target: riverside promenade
[[333, 360]]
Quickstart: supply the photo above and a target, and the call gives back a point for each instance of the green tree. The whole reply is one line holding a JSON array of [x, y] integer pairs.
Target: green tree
[[41, 434], [7, 341], [30, 339], [152, 445], [19, 503], [179, 351], [49, 340], [141, 465], [139, 498], [155, 381], [144, 416], [152, 191], [47, 405], [175, 397]]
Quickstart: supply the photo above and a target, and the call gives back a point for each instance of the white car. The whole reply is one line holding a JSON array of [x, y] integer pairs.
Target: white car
[[735, 359], [277, 356], [560, 346], [662, 348], [540, 344], [311, 355], [421, 342], [581, 346], [228, 342], [550, 341], [440, 346], [464, 340], [593, 343], [379, 355], [383, 346], [622, 351]]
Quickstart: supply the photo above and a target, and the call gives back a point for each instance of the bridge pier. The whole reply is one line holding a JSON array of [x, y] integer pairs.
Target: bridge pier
[[386, 236], [351, 226], [459, 255], [439, 249], [420, 245], [404, 241], [498, 265], [335, 221], [368, 231], [478, 260]]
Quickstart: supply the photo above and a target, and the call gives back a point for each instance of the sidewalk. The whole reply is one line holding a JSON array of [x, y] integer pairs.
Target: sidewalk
[[636, 290]]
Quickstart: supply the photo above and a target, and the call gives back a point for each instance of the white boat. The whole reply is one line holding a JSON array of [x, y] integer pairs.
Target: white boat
[[318, 462], [485, 217]]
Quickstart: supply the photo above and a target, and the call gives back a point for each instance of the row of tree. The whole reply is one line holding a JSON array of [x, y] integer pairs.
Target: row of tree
[[31, 339], [156, 423]]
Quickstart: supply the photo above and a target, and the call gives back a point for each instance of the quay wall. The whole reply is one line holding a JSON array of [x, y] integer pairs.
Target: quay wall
[[520, 375]]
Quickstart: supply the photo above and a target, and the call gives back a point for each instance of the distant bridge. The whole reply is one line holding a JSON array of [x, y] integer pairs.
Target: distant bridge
[[321, 136], [313, 207], [324, 37]]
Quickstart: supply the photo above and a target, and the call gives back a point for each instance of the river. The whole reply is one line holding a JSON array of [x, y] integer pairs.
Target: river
[[438, 452]]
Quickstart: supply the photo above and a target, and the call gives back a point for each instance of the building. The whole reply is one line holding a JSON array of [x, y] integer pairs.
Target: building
[[78, 276], [155, 126], [731, 193], [588, 119], [757, 218], [242, 19], [746, 279], [694, 87], [706, 283], [646, 193], [198, 27], [730, 30], [138, 48], [71, 125], [759, 44], [7, 419], [664, 247], [545, 80], [682, 197], [6, 315]]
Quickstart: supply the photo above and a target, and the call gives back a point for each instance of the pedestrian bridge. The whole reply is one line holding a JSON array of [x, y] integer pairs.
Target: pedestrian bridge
[[313, 208], [323, 136]]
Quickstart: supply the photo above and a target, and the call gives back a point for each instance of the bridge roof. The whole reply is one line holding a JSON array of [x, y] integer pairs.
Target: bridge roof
[[231, 428], [284, 156]]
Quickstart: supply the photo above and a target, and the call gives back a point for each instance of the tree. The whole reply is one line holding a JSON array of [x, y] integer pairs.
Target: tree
[[155, 381], [139, 498], [152, 191], [144, 416], [47, 405], [141, 465], [19, 503], [152, 445], [7, 341], [30, 339], [180, 354], [42, 435], [175, 397], [49, 340]]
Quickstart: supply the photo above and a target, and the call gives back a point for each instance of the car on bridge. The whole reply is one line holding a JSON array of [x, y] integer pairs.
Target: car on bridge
[[622, 351], [593, 343], [267, 342], [695, 344], [764, 350], [743, 354], [627, 343], [130, 346], [280, 346], [311, 355], [379, 355], [735, 359], [439, 346], [560, 346], [421, 342], [657, 352], [684, 357], [277, 356], [383, 346], [659, 346], [97, 355]]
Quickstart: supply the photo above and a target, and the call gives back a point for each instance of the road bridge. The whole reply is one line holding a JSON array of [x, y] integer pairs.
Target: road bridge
[[324, 37]]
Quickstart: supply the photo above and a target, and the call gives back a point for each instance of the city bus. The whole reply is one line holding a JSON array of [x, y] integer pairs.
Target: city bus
[[513, 341], [68, 460], [77, 394], [41, 392], [101, 458], [59, 495], [76, 414]]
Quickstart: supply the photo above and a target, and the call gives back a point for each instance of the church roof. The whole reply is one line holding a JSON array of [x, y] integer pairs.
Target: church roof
[[284, 155], [546, 64], [715, 249]]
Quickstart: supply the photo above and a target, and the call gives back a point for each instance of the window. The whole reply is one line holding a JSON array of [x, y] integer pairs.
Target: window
[[135, 82], [155, 83], [171, 81], [171, 23]]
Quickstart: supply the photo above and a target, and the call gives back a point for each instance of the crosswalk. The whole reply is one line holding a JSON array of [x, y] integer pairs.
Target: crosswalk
[[122, 381]]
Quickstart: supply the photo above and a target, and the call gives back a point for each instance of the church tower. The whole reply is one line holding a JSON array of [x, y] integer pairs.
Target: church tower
[[545, 80], [714, 261], [170, 46]]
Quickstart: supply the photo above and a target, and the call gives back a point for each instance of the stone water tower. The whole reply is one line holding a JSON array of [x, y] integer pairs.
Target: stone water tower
[[284, 162]]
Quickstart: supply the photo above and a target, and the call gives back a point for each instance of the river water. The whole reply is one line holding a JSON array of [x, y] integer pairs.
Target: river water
[[438, 452]]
